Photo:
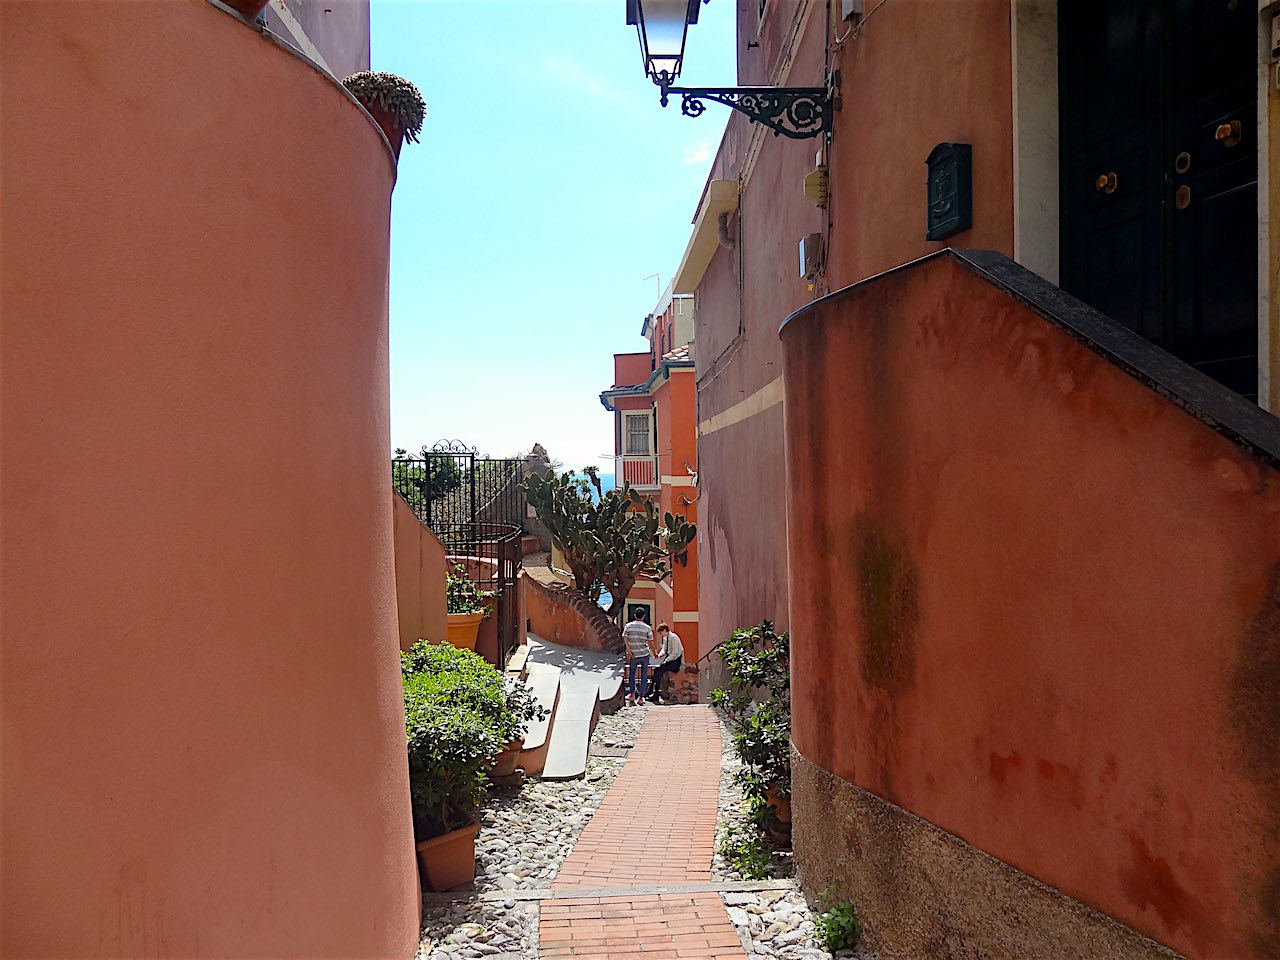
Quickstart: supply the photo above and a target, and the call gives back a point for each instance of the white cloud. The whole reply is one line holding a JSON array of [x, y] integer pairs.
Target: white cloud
[[700, 153]]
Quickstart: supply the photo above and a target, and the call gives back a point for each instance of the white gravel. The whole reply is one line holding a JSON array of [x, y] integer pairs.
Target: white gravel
[[525, 835], [770, 923]]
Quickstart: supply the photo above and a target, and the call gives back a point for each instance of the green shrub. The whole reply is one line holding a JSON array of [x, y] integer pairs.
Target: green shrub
[[838, 926], [757, 705], [459, 713], [462, 595]]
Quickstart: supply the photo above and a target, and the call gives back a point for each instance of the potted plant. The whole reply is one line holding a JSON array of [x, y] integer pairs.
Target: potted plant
[[456, 720], [247, 8], [522, 707], [465, 606], [392, 101]]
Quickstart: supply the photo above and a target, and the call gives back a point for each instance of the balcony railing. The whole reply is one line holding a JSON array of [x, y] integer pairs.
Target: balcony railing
[[640, 472]]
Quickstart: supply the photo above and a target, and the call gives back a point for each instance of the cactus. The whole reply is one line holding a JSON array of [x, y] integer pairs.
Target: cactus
[[609, 540]]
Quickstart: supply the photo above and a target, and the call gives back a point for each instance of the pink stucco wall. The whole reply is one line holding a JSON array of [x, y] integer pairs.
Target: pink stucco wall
[[1038, 604], [421, 568], [200, 701]]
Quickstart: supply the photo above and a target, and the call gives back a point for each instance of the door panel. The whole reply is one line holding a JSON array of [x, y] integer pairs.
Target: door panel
[[1215, 237], [1168, 247], [1110, 250]]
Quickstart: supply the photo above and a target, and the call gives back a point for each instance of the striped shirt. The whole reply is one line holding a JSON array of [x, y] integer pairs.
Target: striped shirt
[[638, 635]]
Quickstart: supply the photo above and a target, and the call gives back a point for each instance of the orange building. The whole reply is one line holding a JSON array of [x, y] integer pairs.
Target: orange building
[[201, 709], [654, 403]]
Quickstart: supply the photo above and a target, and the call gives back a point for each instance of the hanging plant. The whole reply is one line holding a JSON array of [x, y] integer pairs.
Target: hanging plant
[[392, 101]]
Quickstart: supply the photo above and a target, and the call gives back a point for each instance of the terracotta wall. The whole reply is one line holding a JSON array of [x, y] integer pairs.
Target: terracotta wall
[[201, 705], [1046, 599], [558, 614], [676, 411], [957, 87], [420, 578], [630, 369]]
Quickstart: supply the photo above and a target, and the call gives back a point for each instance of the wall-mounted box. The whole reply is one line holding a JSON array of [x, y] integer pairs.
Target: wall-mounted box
[[811, 256], [950, 190]]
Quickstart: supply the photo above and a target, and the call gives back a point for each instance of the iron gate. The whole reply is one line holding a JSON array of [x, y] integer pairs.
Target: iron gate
[[449, 485], [490, 554], [475, 506]]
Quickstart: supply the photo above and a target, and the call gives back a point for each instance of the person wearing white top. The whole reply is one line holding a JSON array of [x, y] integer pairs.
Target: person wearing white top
[[670, 659]]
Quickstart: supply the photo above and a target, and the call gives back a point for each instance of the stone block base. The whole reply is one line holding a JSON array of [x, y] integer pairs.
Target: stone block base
[[681, 686], [925, 894]]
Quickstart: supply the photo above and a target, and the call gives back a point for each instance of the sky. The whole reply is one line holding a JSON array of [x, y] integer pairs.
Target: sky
[[548, 188]]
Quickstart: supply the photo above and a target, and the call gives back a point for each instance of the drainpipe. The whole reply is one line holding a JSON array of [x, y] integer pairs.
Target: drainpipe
[[722, 234]]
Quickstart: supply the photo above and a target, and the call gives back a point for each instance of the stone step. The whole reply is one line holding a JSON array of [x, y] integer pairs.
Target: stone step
[[585, 675], [544, 680], [516, 664]]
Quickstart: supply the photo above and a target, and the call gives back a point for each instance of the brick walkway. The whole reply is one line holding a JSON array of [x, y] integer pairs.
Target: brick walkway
[[655, 827]]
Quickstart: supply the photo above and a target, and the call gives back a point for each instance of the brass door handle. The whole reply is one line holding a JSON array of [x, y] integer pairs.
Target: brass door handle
[[1106, 182], [1229, 134]]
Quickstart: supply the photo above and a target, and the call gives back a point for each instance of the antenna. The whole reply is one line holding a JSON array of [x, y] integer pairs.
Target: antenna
[[654, 276]]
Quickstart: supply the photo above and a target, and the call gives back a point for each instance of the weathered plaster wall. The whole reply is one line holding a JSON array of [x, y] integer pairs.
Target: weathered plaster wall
[[202, 714], [912, 79], [1061, 635], [925, 894], [420, 578]]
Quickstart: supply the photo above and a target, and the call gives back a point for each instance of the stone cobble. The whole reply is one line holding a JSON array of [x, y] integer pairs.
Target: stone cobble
[[770, 923], [525, 835]]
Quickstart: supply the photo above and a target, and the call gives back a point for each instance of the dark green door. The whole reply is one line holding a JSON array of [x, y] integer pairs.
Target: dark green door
[[1159, 174]]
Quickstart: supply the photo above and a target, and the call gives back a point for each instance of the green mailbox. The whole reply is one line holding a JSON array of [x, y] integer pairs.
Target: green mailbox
[[950, 190]]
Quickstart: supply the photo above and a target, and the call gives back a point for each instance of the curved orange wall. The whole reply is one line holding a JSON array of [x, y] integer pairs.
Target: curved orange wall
[[1036, 604], [202, 719]]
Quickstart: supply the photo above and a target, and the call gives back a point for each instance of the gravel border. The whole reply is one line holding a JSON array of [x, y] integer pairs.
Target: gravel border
[[770, 923], [546, 816]]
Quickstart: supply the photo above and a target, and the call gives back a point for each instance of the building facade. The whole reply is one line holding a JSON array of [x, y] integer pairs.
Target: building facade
[[655, 451], [333, 34], [1121, 164]]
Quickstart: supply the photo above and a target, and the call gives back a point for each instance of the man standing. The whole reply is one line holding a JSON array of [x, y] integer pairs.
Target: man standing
[[637, 634], [670, 659]]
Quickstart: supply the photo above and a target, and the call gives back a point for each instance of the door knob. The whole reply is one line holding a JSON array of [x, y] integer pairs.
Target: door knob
[[1228, 134], [1106, 182], [1182, 197]]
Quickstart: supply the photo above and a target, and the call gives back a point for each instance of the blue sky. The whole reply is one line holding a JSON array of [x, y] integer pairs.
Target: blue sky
[[548, 184]]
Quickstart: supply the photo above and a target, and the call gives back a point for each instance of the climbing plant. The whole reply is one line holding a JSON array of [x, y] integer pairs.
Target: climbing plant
[[611, 539]]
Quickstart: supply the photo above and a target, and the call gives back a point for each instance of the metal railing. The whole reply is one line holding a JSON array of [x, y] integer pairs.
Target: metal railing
[[637, 471]]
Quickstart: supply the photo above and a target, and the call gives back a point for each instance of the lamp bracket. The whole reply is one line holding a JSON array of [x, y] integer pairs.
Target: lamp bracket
[[795, 112]]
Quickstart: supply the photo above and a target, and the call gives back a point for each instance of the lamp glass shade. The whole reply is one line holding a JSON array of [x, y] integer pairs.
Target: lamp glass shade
[[662, 26]]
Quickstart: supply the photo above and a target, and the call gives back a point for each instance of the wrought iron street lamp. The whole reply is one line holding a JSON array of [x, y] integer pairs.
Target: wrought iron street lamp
[[663, 27]]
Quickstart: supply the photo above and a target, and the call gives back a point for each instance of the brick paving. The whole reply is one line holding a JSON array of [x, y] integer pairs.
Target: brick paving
[[655, 826]]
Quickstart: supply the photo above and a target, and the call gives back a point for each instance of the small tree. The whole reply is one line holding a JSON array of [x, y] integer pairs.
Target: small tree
[[611, 539]]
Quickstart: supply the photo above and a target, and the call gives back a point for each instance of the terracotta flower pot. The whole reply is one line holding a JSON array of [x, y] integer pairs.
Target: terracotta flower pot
[[389, 124], [246, 8], [504, 765], [463, 628], [449, 860], [781, 803]]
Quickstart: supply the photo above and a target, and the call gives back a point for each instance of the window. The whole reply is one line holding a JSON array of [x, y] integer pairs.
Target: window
[[637, 442]]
